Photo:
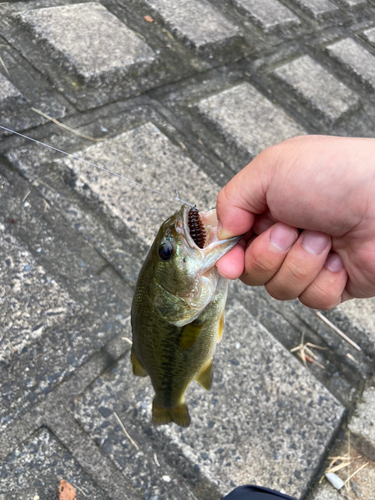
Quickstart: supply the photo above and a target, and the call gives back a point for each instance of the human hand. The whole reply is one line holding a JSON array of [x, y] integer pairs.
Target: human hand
[[307, 209]]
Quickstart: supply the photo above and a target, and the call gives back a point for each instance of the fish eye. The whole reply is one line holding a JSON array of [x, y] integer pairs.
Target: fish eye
[[166, 250]]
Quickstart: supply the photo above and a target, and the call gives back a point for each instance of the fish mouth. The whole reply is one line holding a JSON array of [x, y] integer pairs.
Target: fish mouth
[[200, 232], [199, 228]]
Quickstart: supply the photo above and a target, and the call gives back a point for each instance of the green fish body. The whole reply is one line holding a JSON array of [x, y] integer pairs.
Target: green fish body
[[178, 311]]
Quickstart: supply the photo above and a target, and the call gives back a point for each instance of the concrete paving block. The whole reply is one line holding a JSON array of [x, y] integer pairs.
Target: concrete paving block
[[315, 87], [54, 337], [316, 7], [12, 104], [245, 116], [136, 454], [147, 156], [196, 23], [30, 300], [355, 58], [33, 471], [84, 48], [362, 424], [361, 314], [266, 420], [268, 13]]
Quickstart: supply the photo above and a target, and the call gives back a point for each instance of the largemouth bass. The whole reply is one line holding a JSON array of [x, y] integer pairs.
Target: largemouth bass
[[178, 310]]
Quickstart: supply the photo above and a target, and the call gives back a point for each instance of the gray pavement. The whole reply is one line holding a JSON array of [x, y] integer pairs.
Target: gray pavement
[[176, 96]]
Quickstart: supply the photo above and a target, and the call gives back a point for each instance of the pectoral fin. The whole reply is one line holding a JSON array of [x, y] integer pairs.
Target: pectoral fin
[[189, 335], [137, 365], [205, 376]]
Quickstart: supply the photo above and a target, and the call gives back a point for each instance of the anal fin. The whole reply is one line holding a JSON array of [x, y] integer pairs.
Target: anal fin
[[205, 376], [138, 369]]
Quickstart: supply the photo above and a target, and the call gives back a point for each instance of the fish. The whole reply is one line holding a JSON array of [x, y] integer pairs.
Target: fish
[[177, 313]]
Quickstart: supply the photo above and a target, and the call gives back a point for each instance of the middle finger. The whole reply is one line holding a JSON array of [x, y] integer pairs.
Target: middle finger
[[301, 266]]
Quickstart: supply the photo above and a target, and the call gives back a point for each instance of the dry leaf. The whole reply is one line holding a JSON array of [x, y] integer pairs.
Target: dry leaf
[[148, 19], [66, 491]]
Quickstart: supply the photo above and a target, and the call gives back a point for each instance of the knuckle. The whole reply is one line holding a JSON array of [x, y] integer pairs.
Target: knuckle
[[298, 274], [260, 263], [280, 293], [320, 297]]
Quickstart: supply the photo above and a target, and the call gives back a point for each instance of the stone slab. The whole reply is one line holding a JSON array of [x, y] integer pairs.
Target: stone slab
[[84, 48], [315, 87], [22, 88], [147, 156], [362, 424], [57, 345], [355, 58], [33, 471], [249, 119], [12, 102], [195, 22], [361, 314], [267, 13], [30, 300], [265, 421], [316, 7]]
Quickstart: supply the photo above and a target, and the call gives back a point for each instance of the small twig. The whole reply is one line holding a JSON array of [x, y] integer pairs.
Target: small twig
[[156, 460], [356, 472], [352, 358], [337, 330], [127, 340], [26, 195], [5, 68], [348, 488], [338, 467], [189, 490], [302, 349], [125, 432], [65, 126], [80, 489]]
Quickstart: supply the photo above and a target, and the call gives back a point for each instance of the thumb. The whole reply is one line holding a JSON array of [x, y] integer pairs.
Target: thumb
[[245, 196]]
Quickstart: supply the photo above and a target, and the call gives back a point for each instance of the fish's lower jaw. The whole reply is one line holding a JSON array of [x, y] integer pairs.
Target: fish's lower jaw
[[179, 415]]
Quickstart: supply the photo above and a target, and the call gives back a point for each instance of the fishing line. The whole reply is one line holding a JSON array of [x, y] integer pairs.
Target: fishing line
[[123, 177]]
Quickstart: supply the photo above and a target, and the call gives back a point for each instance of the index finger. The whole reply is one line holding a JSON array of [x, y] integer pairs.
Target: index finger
[[243, 197]]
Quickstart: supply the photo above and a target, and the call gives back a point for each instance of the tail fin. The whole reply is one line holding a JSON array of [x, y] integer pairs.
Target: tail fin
[[179, 415]]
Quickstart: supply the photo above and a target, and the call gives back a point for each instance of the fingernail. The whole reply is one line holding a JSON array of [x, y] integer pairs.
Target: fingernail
[[283, 237], [222, 233], [315, 242], [334, 262]]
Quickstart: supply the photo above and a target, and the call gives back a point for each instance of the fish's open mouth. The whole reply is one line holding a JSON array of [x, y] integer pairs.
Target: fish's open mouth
[[200, 228], [196, 227]]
